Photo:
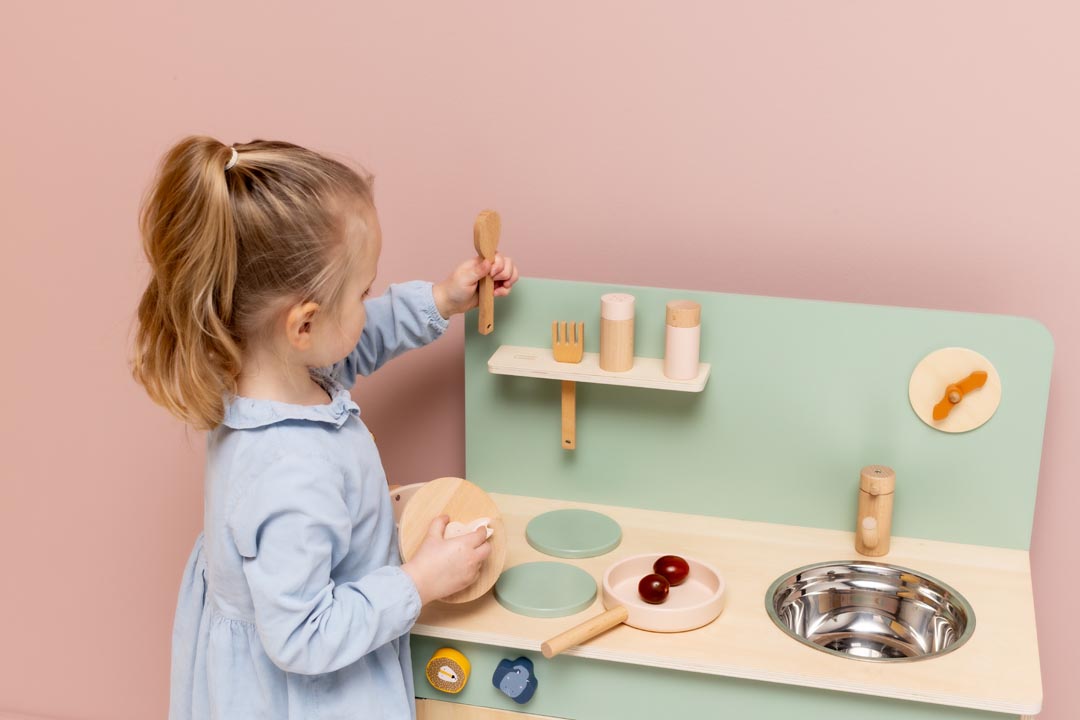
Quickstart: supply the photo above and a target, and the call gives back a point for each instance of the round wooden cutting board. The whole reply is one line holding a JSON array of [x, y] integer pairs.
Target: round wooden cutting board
[[463, 502]]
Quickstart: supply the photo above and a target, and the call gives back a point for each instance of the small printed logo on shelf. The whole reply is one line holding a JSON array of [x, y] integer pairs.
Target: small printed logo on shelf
[[516, 679]]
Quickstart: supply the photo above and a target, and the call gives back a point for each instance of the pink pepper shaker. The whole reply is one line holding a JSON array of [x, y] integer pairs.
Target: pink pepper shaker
[[683, 339]]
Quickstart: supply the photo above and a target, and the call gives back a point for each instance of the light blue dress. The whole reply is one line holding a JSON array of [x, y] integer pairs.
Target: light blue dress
[[293, 603]]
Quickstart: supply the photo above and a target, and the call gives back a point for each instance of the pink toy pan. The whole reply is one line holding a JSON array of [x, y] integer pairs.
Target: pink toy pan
[[695, 603], [400, 495]]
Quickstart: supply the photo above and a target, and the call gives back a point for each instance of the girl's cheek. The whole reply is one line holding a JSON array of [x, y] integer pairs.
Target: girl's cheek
[[359, 328]]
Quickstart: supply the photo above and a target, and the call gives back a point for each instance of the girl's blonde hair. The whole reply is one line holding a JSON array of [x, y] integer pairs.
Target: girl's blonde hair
[[225, 247]]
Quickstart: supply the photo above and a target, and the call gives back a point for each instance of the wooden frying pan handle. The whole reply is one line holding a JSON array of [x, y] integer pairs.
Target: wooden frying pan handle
[[487, 305], [585, 631]]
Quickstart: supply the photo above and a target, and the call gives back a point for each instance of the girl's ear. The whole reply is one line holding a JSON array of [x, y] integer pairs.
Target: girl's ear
[[298, 325]]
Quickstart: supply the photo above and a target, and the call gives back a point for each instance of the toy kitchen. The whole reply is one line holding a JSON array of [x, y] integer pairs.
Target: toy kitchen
[[710, 505]]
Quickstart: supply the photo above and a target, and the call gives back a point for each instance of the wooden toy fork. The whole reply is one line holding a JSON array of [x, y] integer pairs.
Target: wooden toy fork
[[568, 346]]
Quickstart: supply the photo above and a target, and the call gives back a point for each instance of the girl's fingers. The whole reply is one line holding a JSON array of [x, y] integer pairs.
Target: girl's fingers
[[438, 526], [501, 269], [504, 271], [507, 283], [503, 286], [483, 550], [478, 537], [479, 269]]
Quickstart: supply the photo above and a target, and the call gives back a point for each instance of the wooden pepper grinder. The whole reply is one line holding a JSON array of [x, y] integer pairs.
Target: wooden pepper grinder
[[877, 484], [616, 332]]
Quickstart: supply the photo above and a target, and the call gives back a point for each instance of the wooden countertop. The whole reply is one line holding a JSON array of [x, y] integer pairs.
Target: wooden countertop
[[996, 670]]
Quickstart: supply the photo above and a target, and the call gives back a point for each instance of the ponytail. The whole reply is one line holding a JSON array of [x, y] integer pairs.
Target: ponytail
[[185, 353]]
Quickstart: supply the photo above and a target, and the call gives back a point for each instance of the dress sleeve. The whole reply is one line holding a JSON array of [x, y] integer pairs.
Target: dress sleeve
[[403, 318], [291, 527]]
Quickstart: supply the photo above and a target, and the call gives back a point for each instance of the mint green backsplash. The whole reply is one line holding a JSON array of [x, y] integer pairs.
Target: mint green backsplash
[[802, 395], [570, 687]]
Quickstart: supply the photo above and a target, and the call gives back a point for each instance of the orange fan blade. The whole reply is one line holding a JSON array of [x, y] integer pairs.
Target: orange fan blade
[[958, 390], [974, 381], [941, 410]]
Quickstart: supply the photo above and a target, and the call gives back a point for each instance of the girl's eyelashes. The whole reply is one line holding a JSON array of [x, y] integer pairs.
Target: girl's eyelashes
[[367, 293]]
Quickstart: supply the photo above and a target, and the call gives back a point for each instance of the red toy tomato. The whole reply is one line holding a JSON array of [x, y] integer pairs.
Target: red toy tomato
[[673, 568], [653, 588]]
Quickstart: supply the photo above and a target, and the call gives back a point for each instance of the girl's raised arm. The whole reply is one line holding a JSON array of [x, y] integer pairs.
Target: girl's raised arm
[[403, 318]]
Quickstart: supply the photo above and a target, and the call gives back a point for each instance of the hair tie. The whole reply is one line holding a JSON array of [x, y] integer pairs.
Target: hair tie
[[232, 161]]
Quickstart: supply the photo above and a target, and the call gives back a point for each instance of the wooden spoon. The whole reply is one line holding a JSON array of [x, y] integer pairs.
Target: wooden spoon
[[486, 241]]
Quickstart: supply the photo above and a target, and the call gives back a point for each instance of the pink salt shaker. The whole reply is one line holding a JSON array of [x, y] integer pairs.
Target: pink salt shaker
[[683, 339]]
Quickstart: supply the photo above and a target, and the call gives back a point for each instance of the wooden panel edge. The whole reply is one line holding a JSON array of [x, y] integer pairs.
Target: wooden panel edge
[[441, 710]]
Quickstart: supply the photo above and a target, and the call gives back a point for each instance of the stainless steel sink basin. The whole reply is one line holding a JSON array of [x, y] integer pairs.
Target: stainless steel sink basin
[[870, 611]]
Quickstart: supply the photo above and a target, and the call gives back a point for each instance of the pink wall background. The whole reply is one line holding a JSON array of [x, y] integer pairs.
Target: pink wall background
[[921, 153]]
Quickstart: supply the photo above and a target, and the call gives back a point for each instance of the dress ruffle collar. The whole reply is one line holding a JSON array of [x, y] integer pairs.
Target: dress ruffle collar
[[243, 413]]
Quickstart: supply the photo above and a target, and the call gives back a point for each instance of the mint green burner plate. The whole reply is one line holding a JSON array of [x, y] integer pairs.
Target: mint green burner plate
[[545, 589], [573, 533]]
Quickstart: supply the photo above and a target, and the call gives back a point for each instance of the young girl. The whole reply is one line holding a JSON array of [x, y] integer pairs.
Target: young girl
[[294, 603]]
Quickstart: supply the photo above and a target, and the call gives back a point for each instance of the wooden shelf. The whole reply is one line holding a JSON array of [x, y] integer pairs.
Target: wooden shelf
[[996, 670], [539, 363]]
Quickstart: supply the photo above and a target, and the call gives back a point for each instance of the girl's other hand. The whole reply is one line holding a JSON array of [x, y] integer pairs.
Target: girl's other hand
[[458, 293], [443, 567]]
